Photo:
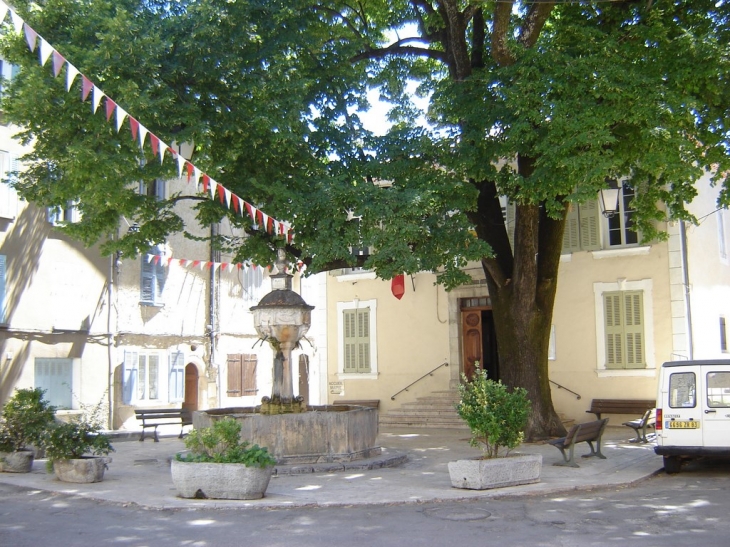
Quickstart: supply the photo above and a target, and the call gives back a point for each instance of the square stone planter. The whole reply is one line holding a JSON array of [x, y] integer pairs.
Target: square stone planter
[[479, 474]]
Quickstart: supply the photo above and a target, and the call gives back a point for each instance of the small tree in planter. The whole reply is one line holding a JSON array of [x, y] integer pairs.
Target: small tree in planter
[[26, 417], [497, 418], [220, 465], [75, 449]]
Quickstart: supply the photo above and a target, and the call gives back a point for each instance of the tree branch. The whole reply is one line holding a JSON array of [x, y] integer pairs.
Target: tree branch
[[381, 53], [537, 16], [500, 32]]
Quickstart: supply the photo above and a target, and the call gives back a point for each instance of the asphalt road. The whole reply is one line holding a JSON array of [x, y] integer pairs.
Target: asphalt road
[[664, 511]]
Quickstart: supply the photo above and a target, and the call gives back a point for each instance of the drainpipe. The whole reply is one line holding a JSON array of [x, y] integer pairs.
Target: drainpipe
[[212, 313], [110, 339], [685, 282]]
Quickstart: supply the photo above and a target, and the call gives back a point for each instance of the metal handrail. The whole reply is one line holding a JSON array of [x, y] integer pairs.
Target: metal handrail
[[421, 378], [577, 395]]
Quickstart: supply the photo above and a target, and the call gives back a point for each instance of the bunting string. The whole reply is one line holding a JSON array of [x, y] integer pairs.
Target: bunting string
[[117, 115], [168, 261]]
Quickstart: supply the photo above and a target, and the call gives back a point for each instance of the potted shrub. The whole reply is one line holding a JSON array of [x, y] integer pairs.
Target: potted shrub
[[25, 418], [219, 465], [497, 417], [77, 450]]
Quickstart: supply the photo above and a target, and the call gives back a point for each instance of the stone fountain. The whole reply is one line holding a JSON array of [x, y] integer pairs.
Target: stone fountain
[[293, 433]]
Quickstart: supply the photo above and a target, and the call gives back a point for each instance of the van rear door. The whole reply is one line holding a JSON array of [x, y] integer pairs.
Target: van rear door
[[716, 405], [681, 412]]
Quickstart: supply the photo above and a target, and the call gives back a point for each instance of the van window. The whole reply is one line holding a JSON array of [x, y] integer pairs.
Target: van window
[[682, 390], [718, 389]]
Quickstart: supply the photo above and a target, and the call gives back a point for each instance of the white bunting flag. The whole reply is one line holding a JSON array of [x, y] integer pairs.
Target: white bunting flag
[[228, 197], [196, 176], [3, 11], [180, 164], [46, 51], [142, 135], [121, 114], [162, 149], [17, 21], [71, 73], [213, 188], [96, 95]]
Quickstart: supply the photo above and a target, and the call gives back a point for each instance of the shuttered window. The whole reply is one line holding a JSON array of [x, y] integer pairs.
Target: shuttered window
[[153, 277], [582, 229], [624, 328], [356, 323], [176, 381], [241, 375], [140, 377], [55, 376]]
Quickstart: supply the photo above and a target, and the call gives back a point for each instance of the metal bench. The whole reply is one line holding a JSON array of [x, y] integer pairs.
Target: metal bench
[[153, 417], [641, 424], [588, 432]]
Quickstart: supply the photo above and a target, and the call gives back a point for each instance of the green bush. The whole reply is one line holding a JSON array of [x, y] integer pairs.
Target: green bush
[[221, 443], [26, 417], [496, 416]]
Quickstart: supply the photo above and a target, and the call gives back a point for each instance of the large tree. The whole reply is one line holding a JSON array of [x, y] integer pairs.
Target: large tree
[[538, 101]]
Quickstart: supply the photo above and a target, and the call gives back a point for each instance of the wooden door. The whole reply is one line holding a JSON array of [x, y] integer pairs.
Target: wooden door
[[191, 387], [471, 336]]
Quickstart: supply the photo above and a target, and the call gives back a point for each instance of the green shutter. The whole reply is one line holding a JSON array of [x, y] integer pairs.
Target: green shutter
[[571, 235], [356, 341], [589, 221], [624, 327]]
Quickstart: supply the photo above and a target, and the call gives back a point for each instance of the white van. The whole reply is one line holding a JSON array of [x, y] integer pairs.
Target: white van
[[693, 411]]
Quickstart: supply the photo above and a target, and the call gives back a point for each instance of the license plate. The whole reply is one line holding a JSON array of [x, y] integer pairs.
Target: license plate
[[681, 424]]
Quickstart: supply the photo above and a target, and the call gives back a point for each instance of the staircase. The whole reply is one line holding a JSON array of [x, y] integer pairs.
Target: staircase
[[435, 410]]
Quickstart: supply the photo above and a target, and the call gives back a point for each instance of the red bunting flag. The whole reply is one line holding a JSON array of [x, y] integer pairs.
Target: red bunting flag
[[86, 86], [58, 61], [206, 181], [134, 127], [154, 143], [110, 106], [398, 286]]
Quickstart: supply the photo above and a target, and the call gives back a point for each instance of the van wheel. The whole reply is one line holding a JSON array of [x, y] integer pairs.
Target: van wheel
[[672, 464]]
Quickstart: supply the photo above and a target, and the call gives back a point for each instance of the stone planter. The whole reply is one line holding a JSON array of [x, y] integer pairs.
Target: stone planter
[[82, 470], [227, 481], [20, 461], [479, 474]]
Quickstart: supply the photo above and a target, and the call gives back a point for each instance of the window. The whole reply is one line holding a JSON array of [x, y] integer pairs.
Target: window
[[718, 389], [723, 335], [620, 224], [64, 215], [624, 329], [8, 72], [8, 195], [140, 377], [176, 379], [241, 375], [357, 339], [156, 189], [252, 282], [153, 277], [721, 240], [682, 390], [56, 377]]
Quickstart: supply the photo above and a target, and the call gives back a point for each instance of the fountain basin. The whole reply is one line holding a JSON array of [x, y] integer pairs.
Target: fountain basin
[[322, 434]]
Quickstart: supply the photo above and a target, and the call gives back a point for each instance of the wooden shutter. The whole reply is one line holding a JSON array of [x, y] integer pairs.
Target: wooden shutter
[[614, 334], [248, 373], [624, 326], [589, 226], [234, 387], [634, 329], [571, 235], [356, 341]]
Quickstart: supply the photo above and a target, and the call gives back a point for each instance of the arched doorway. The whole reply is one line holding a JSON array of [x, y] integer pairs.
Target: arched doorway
[[478, 339], [191, 387]]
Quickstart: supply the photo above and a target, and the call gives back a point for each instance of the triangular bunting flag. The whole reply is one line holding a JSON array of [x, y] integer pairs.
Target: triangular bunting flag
[[110, 106], [189, 167], [213, 188], [236, 203], [96, 95], [121, 114], [71, 73], [86, 86], [133, 127], [154, 144], [149, 258], [169, 261], [58, 61], [156, 259], [216, 265], [206, 265], [163, 148], [142, 135], [264, 221], [195, 263], [196, 175], [250, 210], [206, 180], [18, 22], [46, 51], [3, 11], [31, 37], [180, 164]]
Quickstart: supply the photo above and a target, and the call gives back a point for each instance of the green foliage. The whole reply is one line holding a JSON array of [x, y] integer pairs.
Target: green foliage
[[496, 415], [26, 417], [81, 436], [221, 443]]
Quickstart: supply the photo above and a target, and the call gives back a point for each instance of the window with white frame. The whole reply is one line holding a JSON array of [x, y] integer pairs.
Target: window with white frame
[[153, 276], [620, 232], [56, 377], [624, 326], [156, 189], [141, 377], [176, 377], [252, 282], [64, 215], [357, 339]]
